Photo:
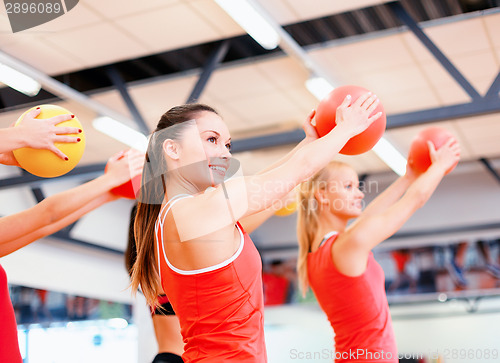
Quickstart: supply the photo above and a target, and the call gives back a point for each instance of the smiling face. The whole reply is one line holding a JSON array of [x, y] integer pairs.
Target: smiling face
[[340, 194], [204, 151]]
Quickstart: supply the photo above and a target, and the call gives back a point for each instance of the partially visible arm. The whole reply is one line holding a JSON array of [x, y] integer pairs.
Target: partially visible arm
[[391, 195], [353, 246], [13, 245], [57, 207], [254, 221]]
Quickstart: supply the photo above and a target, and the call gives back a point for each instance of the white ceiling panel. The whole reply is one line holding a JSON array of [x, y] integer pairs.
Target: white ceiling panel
[[217, 17], [478, 66], [113, 9], [451, 94], [282, 11], [267, 109], [369, 55], [408, 100], [97, 45], [231, 116], [169, 27], [284, 72], [79, 16], [492, 24], [482, 134], [44, 61], [303, 99], [237, 82], [153, 100], [446, 88]]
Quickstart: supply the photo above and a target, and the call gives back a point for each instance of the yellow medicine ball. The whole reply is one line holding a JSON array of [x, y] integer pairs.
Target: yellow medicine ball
[[287, 210], [45, 163]]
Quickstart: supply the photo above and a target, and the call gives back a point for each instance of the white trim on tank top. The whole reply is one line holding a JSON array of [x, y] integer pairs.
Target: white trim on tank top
[[327, 236], [201, 270], [160, 223]]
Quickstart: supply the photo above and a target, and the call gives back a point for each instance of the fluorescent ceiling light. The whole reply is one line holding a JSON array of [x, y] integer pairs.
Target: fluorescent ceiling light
[[19, 81], [389, 155], [251, 21], [121, 132], [319, 87]]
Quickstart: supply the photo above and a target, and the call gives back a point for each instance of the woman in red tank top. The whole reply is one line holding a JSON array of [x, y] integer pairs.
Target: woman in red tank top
[[192, 225], [336, 260]]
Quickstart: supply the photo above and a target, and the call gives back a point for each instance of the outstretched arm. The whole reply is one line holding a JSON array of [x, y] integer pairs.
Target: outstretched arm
[[241, 197], [352, 248], [252, 222], [390, 195], [7, 248], [59, 210]]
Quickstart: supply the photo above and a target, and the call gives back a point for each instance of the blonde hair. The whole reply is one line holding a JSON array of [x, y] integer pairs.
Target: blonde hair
[[308, 217]]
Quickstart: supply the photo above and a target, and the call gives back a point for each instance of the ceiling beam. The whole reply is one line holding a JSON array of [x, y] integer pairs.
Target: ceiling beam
[[494, 88], [406, 19], [490, 168], [210, 66], [121, 86], [476, 108]]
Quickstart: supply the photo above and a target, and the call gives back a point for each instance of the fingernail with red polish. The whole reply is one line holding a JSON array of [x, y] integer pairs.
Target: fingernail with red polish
[[78, 140], [72, 116], [38, 108], [79, 131], [66, 158]]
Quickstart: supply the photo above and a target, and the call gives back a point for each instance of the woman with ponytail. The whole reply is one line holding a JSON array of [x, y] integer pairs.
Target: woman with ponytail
[[336, 261], [193, 220]]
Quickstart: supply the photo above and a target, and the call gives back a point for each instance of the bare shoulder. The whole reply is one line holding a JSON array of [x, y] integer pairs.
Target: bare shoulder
[[348, 257]]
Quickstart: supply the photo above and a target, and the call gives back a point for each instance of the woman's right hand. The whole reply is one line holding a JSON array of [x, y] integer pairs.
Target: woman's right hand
[[356, 116], [124, 166], [43, 133], [446, 156]]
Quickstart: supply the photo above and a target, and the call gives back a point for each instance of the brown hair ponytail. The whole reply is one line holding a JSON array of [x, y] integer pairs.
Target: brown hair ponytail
[[151, 195]]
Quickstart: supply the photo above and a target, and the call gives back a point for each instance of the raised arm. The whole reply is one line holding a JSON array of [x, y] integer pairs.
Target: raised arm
[[254, 221], [59, 210], [240, 197], [391, 194], [353, 246]]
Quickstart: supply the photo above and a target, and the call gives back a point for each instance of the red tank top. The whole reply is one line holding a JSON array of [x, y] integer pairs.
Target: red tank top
[[220, 308], [9, 345], [356, 307]]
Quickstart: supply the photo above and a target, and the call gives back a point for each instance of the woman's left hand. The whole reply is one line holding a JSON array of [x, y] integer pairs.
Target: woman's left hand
[[309, 128]]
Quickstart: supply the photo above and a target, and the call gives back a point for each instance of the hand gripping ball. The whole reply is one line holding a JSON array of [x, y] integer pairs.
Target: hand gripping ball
[[419, 157], [325, 120], [129, 189], [45, 163]]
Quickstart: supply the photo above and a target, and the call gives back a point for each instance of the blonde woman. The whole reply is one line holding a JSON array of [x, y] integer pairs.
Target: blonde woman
[[336, 261]]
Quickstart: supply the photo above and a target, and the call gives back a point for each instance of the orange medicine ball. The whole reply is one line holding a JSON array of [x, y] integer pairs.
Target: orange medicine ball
[[325, 120]]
